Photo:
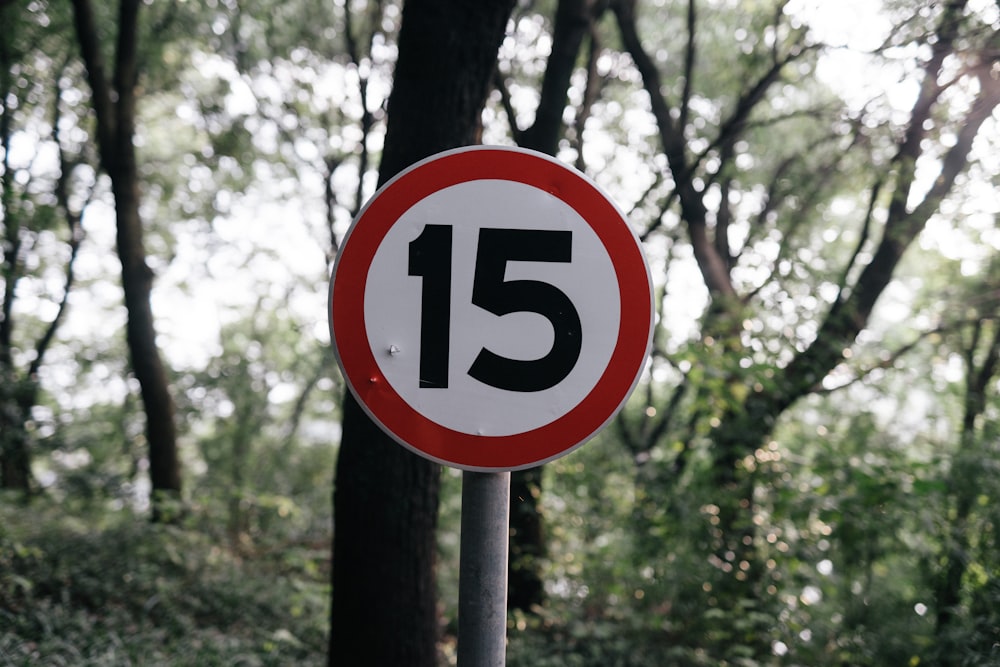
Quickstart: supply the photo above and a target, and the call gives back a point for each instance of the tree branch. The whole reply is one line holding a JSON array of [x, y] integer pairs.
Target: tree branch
[[713, 268], [888, 361], [508, 106], [74, 222], [93, 60], [849, 316], [367, 118], [591, 93], [330, 163], [753, 96], [572, 22], [724, 215], [863, 238]]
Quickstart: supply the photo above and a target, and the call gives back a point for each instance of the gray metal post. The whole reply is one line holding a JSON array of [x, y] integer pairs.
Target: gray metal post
[[482, 578]]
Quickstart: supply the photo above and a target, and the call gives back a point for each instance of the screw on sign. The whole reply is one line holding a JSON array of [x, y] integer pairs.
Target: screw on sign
[[491, 308]]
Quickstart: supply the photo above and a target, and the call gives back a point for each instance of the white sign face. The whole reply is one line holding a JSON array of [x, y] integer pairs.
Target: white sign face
[[393, 305], [491, 308]]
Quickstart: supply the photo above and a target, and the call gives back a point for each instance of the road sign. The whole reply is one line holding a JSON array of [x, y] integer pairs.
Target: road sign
[[491, 308]]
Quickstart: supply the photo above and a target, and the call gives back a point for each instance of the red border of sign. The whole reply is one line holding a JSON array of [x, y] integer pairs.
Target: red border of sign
[[385, 406]]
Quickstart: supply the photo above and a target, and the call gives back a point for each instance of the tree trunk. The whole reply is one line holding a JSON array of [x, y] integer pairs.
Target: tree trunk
[[14, 455], [115, 107], [137, 281], [525, 588], [385, 515], [384, 606], [16, 400]]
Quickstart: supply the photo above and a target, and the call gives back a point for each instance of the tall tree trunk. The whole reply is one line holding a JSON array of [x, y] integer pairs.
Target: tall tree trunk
[[15, 456], [525, 587], [14, 460], [383, 610], [137, 281], [16, 401], [13, 448], [115, 107]]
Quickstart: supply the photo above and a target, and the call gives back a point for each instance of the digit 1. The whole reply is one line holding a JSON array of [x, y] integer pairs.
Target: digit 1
[[430, 259]]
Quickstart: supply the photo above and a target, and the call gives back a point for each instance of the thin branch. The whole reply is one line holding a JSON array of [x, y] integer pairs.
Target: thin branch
[[713, 268], [298, 410], [975, 378], [330, 200], [805, 112], [508, 106], [978, 380], [573, 21], [691, 430], [658, 219], [625, 433], [126, 76], [862, 240], [367, 117], [662, 421], [753, 96], [888, 361], [956, 158], [591, 93], [779, 11], [930, 91], [811, 112], [76, 235], [657, 180], [724, 215], [367, 122], [774, 194]]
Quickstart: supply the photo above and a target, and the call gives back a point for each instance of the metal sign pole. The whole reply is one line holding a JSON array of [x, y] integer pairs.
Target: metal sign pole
[[482, 578]]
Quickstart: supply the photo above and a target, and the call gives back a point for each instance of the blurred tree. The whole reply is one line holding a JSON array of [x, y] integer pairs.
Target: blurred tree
[[256, 428], [115, 107], [702, 136], [41, 207]]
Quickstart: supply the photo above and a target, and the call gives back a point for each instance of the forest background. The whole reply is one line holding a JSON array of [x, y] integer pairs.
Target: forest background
[[806, 475]]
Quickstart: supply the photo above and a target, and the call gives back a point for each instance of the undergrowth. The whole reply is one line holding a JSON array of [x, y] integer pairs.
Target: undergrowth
[[114, 589]]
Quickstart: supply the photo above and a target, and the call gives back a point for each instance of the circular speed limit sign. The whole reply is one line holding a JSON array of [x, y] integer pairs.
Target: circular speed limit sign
[[491, 308]]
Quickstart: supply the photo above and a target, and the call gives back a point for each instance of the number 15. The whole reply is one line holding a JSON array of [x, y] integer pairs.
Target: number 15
[[430, 259]]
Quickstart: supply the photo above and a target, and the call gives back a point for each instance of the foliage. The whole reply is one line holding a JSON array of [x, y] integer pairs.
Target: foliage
[[105, 589]]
